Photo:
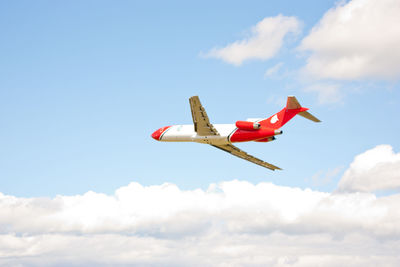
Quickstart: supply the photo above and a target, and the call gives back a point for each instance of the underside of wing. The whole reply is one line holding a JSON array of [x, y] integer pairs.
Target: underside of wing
[[201, 122], [241, 154]]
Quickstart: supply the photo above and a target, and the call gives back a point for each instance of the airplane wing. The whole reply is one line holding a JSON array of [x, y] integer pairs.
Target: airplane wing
[[201, 122], [241, 154]]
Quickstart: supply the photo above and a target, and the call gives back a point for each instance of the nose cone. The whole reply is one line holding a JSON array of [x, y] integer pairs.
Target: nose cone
[[157, 134]]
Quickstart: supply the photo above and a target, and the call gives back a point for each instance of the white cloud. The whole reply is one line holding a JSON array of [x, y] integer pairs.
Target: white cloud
[[327, 92], [232, 223], [265, 41], [325, 177], [356, 40], [375, 169]]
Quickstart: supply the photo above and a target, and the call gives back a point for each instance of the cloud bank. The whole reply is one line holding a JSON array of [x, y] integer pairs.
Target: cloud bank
[[356, 40], [234, 223], [264, 42], [373, 170]]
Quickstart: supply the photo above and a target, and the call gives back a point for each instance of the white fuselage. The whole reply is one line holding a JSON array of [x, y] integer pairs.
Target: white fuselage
[[186, 133]]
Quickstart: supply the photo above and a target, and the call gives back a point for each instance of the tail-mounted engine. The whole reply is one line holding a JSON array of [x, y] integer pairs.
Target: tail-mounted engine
[[268, 139], [248, 125]]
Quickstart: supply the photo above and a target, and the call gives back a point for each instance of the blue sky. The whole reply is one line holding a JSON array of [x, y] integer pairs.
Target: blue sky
[[84, 84]]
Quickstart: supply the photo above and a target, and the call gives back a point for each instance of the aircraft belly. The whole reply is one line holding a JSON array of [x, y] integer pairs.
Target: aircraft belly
[[211, 139], [186, 133], [224, 131]]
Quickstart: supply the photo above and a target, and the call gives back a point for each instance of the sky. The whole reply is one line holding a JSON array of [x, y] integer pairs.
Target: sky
[[83, 84]]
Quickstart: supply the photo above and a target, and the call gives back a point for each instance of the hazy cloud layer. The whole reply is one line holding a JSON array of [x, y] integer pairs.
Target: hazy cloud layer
[[375, 169], [233, 223], [327, 92], [264, 42], [272, 71], [356, 40]]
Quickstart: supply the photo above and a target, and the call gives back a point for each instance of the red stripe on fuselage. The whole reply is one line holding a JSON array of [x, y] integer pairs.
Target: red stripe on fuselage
[[245, 136], [279, 119]]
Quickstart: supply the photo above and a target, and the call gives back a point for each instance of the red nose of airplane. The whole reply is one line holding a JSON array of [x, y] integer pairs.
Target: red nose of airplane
[[157, 134]]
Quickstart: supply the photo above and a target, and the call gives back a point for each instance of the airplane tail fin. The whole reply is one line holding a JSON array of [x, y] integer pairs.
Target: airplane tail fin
[[292, 108], [292, 103]]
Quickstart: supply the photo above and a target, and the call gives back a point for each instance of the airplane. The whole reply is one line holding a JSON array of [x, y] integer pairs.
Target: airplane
[[223, 135]]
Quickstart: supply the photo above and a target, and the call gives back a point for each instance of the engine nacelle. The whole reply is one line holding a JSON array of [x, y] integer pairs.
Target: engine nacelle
[[268, 139], [248, 125]]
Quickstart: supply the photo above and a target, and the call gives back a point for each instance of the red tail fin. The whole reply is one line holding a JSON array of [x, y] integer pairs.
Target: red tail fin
[[292, 108]]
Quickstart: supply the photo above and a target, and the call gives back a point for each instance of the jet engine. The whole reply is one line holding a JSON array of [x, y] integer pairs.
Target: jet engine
[[248, 125], [268, 139]]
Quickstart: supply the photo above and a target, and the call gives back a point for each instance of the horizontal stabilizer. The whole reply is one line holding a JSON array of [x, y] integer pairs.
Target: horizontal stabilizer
[[308, 115]]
